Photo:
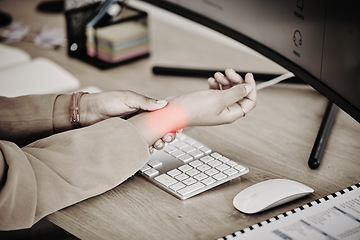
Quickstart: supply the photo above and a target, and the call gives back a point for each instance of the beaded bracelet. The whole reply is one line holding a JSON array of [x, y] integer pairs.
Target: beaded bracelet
[[75, 108]]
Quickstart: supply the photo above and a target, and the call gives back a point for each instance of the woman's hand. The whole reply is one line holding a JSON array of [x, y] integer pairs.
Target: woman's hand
[[100, 106], [202, 108], [229, 98]]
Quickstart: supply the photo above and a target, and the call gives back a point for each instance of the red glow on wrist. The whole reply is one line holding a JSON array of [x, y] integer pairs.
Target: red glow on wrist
[[168, 119]]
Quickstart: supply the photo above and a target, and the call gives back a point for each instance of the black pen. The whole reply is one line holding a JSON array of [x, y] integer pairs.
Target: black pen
[[323, 135], [206, 73]]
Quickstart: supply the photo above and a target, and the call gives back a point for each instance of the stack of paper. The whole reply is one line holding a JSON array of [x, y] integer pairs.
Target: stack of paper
[[122, 41]]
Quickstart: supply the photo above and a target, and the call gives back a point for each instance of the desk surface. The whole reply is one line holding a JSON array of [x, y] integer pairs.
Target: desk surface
[[274, 140]]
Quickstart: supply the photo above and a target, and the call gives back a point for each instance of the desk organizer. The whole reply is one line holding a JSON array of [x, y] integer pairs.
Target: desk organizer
[[102, 40]]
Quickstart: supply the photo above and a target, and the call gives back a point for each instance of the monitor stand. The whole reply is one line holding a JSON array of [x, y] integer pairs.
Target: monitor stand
[[323, 135]]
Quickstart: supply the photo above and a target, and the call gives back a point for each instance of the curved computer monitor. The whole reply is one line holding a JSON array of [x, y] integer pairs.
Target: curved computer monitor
[[319, 41]]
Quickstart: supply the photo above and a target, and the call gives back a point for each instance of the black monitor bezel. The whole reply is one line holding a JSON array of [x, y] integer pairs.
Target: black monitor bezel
[[299, 72]]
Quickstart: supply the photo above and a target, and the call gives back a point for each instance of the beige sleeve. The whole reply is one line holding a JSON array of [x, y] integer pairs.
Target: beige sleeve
[[27, 118], [65, 168]]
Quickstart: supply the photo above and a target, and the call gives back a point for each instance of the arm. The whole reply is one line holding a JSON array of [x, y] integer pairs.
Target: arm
[[25, 119], [203, 108], [28, 118], [66, 168], [71, 166]]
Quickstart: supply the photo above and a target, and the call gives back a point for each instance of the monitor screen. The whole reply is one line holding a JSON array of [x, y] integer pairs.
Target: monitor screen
[[319, 41]]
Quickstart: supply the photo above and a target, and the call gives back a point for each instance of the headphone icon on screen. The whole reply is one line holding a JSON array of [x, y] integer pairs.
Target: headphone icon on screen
[[297, 38]]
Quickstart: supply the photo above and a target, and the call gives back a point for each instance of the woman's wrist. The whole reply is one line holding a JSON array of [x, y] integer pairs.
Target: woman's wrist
[[74, 109], [83, 109], [62, 113], [154, 125]]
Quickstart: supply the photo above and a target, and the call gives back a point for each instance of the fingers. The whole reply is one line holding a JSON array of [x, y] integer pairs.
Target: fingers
[[236, 93], [240, 99], [233, 76], [213, 84], [222, 82], [160, 143], [249, 102]]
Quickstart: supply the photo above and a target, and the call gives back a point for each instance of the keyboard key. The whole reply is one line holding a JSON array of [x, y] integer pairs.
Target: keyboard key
[[192, 172], [165, 180], [224, 159], [186, 158], [207, 159], [240, 168], [178, 153], [177, 186], [185, 168], [230, 171], [205, 150], [231, 163], [203, 167], [197, 145], [190, 141], [222, 167], [188, 149], [154, 163], [189, 181], [145, 168], [214, 163], [173, 172], [181, 177], [170, 149], [151, 172], [197, 153], [211, 171], [208, 181], [181, 145], [219, 176], [216, 155], [200, 176], [196, 163], [191, 188], [181, 136]]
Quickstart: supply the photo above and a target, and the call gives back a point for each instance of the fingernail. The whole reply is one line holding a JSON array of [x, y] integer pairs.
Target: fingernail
[[158, 144], [251, 75], [162, 102], [151, 150], [220, 73], [231, 70], [248, 88], [168, 139]]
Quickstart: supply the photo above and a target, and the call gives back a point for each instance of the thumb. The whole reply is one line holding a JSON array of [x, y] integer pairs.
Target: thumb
[[236, 93], [150, 104]]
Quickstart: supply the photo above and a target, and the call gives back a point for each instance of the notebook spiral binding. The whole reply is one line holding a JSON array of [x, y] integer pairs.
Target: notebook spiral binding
[[291, 212]]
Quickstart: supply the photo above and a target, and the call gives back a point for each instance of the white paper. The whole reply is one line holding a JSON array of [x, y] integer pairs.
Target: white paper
[[336, 218], [38, 76]]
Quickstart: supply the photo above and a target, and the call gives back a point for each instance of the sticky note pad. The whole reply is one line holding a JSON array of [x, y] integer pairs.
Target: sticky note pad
[[122, 41]]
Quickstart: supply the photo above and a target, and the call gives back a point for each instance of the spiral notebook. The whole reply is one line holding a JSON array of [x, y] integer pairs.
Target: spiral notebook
[[336, 216]]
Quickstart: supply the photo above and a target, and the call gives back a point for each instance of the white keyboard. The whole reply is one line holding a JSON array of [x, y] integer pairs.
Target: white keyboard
[[186, 168]]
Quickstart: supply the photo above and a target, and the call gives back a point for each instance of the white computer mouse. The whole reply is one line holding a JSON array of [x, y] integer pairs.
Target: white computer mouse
[[269, 194]]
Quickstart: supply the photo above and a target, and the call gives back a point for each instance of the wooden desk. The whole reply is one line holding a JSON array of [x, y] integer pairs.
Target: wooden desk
[[274, 140]]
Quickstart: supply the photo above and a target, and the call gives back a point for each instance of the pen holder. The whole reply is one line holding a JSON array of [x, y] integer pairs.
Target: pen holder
[[112, 41]]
